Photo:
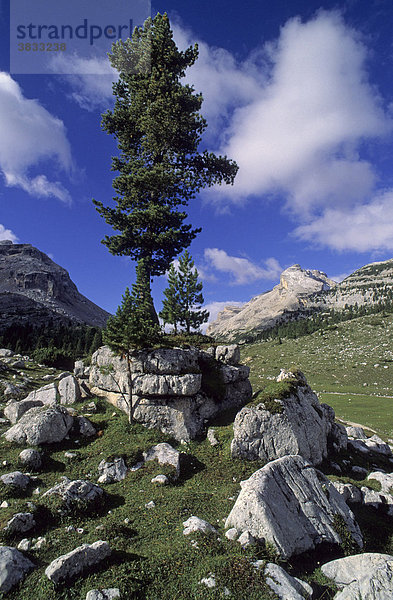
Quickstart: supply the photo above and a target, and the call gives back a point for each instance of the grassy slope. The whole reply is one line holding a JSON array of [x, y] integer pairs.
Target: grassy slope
[[151, 558], [340, 364]]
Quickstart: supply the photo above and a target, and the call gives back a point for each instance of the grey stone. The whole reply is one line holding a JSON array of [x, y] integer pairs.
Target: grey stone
[[17, 479], [291, 505], [20, 523], [165, 455], [69, 390], [371, 446], [75, 492], [41, 425], [14, 409], [160, 480], [356, 432], [108, 594], [360, 472], [13, 567], [211, 436], [110, 472], [76, 561], [84, 427], [167, 385], [232, 534], [246, 539], [284, 585], [366, 576], [228, 354], [194, 524], [47, 395], [31, 459], [350, 493], [303, 427]]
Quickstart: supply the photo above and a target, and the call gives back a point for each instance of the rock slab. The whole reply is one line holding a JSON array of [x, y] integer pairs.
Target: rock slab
[[75, 562], [13, 567], [291, 505]]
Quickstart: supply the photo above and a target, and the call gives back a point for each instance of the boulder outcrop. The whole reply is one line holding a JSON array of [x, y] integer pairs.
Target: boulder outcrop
[[13, 567], [175, 390], [294, 424], [368, 576], [41, 425], [293, 506]]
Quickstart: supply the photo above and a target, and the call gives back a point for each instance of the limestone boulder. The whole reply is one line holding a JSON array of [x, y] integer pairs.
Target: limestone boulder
[[112, 471], [16, 479], [69, 390], [385, 479], [291, 505], [164, 454], [46, 395], [74, 493], [78, 560], [284, 585], [108, 594], [195, 524], [366, 576], [15, 409], [13, 567], [166, 385], [31, 459], [228, 354], [20, 523], [298, 424], [41, 425]]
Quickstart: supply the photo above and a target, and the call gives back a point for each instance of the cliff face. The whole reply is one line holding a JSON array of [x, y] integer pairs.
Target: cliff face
[[264, 311], [33, 288]]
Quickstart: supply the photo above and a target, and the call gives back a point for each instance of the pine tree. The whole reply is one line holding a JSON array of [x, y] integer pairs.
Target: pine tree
[[132, 327], [190, 295], [170, 312], [158, 128]]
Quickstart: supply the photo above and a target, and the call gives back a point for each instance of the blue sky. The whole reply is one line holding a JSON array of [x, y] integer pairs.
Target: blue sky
[[299, 93]]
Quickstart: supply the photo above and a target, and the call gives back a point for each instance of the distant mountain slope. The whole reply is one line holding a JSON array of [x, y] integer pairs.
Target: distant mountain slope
[[302, 293], [33, 288], [263, 312]]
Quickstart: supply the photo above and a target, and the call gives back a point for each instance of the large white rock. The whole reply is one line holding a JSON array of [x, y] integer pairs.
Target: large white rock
[[112, 471], [304, 427], [75, 562], [47, 394], [69, 390], [194, 524], [167, 385], [284, 585], [291, 505], [41, 425], [366, 576], [14, 410], [13, 567]]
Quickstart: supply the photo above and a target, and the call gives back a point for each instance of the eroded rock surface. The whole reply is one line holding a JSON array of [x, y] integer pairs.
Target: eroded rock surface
[[13, 567], [41, 425], [75, 562]]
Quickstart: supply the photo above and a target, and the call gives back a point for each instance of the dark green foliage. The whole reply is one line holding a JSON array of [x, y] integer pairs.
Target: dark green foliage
[[183, 297], [53, 357], [158, 129]]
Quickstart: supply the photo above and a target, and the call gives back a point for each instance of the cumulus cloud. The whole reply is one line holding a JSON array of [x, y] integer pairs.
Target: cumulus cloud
[[7, 234], [366, 227], [90, 79], [29, 135], [242, 270]]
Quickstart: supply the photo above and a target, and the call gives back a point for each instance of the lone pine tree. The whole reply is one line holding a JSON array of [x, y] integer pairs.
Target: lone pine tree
[[183, 297], [158, 128]]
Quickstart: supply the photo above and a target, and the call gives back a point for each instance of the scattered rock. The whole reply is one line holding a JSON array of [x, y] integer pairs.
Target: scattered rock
[[160, 480], [291, 505], [5, 352], [196, 524], [75, 493], [15, 409], [84, 427], [16, 479], [150, 504], [110, 472], [108, 594], [364, 576], [76, 561], [41, 425], [211, 436], [232, 533], [356, 433], [46, 395], [359, 472], [284, 585], [20, 523], [31, 459], [385, 479], [13, 567], [246, 539], [371, 446], [165, 455]]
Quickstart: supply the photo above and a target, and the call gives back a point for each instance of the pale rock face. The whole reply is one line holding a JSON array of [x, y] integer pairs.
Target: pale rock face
[[110, 472], [296, 285], [20, 523], [291, 505], [69, 390], [41, 425], [304, 427], [368, 576], [14, 410], [13, 567], [284, 585], [31, 459], [166, 385], [46, 395], [76, 561], [164, 454], [75, 492]]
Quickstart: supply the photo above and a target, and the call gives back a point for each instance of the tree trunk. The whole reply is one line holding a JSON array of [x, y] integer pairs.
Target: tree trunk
[[143, 274], [130, 407]]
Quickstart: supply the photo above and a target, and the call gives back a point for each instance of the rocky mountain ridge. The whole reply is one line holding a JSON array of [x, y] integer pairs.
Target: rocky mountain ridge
[[34, 289], [302, 293]]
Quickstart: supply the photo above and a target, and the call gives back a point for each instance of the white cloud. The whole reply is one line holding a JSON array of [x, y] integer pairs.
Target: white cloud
[[7, 234], [29, 135], [242, 270], [90, 78], [367, 227], [303, 134]]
